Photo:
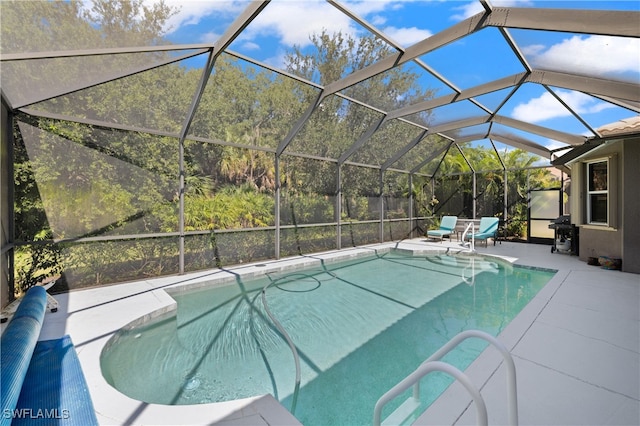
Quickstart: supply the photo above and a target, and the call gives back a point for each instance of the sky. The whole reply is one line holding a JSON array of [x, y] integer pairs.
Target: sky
[[474, 60]]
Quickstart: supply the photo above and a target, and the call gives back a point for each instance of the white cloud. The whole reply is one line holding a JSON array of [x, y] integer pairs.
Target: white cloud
[[467, 11], [532, 49], [209, 37], [363, 8], [547, 106], [249, 45], [378, 20], [192, 12], [292, 22], [277, 60], [596, 55], [407, 36]]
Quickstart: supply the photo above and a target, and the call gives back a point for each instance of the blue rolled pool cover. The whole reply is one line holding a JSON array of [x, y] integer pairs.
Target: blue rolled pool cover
[[17, 345], [55, 391]]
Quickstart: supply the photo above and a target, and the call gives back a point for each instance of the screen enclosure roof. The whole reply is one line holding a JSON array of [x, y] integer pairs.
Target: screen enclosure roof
[[539, 76]]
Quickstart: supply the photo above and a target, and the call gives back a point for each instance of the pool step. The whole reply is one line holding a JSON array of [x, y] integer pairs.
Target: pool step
[[403, 412]]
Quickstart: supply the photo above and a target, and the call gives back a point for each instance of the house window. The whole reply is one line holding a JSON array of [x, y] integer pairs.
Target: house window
[[598, 192]]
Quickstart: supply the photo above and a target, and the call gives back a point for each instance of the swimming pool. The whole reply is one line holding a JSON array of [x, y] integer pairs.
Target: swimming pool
[[359, 327]]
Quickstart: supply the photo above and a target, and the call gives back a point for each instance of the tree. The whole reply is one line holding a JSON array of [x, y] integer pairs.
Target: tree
[[337, 123], [68, 177], [129, 22]]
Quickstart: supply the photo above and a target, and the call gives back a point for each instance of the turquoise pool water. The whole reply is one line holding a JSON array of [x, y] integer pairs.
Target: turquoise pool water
[[359, 328]]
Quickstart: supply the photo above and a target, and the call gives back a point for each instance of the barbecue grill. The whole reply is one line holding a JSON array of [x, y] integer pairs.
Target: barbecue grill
[[565, 238]]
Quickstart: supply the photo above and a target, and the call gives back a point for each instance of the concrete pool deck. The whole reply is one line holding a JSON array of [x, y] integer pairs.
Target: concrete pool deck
[[576, 347]]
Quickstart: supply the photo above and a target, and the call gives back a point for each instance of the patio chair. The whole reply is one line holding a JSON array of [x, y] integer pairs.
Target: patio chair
[[447, 227], [488, 228]]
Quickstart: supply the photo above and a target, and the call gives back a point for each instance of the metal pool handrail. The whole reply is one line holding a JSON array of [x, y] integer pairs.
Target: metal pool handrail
[[424, 369], [433, 364], [294, 350], [464, 234], [472, 279]]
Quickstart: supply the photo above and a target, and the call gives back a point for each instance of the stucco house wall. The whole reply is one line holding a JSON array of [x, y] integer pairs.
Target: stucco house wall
[[621, 238], [631, 206]]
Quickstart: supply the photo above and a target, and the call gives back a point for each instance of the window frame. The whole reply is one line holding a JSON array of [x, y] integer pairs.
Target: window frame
[[589, 192]]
